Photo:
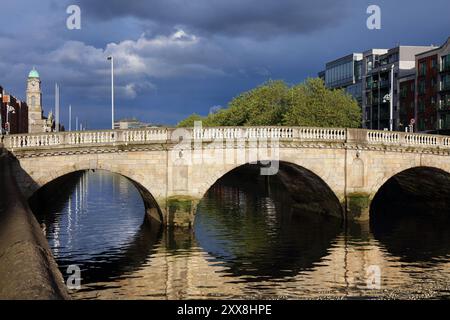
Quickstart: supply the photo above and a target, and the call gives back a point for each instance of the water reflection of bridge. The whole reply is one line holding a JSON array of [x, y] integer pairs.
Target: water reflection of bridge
[[341, 273], [319, 257]]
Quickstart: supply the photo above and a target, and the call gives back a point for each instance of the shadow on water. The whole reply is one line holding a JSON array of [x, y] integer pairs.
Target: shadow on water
[[99, 262], [255, 230], [410, 215], [106, 266]]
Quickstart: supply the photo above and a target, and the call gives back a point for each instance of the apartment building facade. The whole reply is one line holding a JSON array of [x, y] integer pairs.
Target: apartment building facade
[[432, 98], [379, 67]]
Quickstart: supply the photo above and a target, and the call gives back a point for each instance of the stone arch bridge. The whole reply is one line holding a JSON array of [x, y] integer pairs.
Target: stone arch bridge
[[174, 168]]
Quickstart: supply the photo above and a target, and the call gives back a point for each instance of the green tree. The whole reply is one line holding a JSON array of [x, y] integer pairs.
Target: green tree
[[275, 103], [189, 121], [315, 105], [262, 106]]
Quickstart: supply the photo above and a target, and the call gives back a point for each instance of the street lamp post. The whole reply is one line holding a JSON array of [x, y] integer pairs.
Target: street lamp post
[[56, 107], [8, 110], [391, 101], [111, 58], [390, 97], [70, 117]]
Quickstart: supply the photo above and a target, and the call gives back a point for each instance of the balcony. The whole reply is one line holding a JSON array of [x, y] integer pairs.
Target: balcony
[[445, 67], [384, 83], [444, 86], [373, 85], [444, 125], [444, 105]]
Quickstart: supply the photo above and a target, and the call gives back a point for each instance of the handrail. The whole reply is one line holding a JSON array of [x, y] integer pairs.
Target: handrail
[[163, 135]]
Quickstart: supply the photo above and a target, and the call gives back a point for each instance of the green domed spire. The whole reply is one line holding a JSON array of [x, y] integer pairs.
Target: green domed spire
[[33, 73]]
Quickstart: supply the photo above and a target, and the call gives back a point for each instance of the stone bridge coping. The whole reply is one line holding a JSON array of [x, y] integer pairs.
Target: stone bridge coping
[[172, 135]]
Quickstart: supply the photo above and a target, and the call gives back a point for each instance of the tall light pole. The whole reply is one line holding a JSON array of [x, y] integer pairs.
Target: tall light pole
[[70, 117], [111, 58], [391, 101], [56, 107], [390, 97], [8, 110]]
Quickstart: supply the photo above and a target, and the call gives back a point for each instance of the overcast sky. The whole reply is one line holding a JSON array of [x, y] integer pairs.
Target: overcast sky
[[176, 57]]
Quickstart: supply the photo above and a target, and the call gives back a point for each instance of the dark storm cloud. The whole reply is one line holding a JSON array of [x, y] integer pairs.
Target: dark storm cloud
[[175, 57], [257, 18]]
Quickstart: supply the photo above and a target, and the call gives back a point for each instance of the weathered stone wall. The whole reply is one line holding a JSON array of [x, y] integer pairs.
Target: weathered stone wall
[[27, 268]]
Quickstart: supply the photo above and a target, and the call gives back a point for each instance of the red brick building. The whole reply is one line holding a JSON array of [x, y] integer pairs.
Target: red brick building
[[433, 90], [427, 85], [407, 86], [15, 111]]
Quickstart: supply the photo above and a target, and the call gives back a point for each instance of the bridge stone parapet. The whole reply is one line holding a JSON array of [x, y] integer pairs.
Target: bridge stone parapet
[[152, 135], [174, 167]]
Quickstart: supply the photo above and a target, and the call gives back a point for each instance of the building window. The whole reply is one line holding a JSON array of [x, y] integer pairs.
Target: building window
[[33, 101], [446, 63], [446, 82], [434, 63], [358, 71], [421, 106], [421, 125], [403, 92], [369, 66], [446, 99], [421, 87], [422, 68], [433, 83]]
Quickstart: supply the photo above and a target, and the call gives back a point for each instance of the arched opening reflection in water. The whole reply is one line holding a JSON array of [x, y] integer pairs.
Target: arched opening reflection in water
[[268, 227], [410, 215], [96, 220]]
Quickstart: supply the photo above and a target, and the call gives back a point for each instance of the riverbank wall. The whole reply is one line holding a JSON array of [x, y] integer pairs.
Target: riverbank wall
[[27, 267]]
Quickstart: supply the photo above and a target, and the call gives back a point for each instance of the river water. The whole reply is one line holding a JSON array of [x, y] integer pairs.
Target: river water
[[248, 242]]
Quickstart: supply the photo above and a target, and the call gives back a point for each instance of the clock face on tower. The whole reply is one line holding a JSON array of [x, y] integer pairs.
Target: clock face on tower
[[33, 84]]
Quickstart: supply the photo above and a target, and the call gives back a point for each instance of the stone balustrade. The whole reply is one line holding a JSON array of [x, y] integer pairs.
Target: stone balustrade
[[321, 134], [244, 133], [150, 135], [407, 139]]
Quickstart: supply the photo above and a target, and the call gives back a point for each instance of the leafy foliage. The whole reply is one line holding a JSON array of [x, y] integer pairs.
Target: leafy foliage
[[275, 103]]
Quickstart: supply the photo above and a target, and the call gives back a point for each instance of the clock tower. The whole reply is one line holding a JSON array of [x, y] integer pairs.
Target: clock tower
[[34, 101]]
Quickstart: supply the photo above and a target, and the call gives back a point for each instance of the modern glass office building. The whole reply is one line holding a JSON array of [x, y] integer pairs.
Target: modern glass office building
[[345, 73]]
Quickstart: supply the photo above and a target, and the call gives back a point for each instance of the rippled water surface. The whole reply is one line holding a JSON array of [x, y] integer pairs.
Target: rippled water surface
[[249, 241]]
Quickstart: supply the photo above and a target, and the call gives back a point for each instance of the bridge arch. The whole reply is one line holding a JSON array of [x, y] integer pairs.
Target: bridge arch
[[426, 187], [152, 207], [393, 171], [308, 187], [418, 199]]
